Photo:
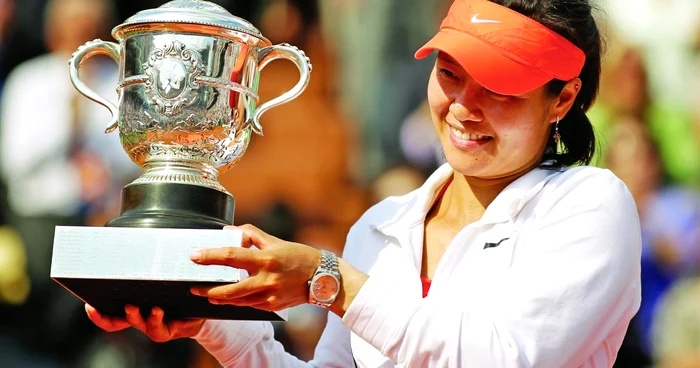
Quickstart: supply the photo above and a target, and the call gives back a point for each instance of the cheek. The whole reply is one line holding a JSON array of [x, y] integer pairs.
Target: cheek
[[524, 141], [523, 136], [519, 129], [438, 101]]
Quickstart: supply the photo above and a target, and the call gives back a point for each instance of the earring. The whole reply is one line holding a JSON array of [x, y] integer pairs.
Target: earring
[[557, 136]]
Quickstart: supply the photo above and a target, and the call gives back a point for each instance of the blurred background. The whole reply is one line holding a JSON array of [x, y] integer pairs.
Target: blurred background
[[360, 132]]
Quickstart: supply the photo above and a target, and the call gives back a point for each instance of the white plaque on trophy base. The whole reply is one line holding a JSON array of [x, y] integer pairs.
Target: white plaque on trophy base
[[110, 267]]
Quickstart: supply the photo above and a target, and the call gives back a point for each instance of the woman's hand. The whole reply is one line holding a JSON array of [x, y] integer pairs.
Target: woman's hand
[[279, 271], [153, 327]]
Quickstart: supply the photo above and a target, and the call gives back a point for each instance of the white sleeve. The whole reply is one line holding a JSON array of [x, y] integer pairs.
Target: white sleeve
[[245, 344], [333, 349], [252, 344], [566, 301]]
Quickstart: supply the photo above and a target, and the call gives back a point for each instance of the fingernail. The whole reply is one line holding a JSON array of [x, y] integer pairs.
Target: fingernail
[[194, 290], [230, 227], [196, 256]]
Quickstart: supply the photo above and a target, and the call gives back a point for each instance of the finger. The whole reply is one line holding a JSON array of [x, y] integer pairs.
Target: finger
[[252, 236], [244, 301], [235, 257], [133, 316], [108, 324], [247, 243], [157, 331], [264, 306], [230, 292]]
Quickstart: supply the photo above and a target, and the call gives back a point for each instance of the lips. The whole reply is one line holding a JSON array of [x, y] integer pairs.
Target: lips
[[464, 141], [468, 136]]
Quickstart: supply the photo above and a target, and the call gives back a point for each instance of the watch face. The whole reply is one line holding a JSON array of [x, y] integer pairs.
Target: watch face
[[325, 288]]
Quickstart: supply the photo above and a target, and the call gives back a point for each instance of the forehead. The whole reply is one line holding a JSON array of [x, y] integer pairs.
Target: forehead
[[445, 57]]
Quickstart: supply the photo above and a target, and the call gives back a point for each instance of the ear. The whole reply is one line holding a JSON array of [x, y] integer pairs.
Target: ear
[[560, 105]]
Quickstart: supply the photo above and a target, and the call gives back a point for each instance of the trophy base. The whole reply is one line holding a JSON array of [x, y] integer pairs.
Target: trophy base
[[174, 205], [109, 268], [109, 296]]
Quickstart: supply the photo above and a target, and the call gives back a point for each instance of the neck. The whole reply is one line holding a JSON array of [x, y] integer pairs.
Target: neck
[[467, 198]]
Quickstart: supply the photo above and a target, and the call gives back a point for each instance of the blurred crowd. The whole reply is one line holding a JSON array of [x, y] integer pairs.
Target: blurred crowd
[[359, 133]]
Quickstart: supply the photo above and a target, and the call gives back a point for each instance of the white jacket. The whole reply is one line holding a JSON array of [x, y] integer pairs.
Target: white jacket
[[556, 287]]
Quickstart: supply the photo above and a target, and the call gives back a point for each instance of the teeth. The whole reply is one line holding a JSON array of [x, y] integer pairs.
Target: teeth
[[468, 137]]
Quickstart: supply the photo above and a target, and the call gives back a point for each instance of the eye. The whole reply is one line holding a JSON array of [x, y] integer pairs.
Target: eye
[[447, 74]]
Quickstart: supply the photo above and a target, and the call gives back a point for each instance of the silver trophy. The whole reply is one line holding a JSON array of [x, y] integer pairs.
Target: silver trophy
[[188, 105]]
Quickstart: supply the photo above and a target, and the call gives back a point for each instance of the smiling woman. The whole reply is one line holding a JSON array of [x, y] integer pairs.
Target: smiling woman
[[505, 257]]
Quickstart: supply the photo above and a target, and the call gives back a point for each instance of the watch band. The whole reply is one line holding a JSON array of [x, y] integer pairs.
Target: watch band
[[329, 263]]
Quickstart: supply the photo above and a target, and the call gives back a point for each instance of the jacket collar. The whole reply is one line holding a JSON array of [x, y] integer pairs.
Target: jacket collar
[[506, 206]]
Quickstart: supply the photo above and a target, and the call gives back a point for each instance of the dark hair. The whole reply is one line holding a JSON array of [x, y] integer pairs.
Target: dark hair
[[572, 19]]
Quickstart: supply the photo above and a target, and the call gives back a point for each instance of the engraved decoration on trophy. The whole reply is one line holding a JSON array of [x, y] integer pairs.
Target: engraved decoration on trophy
[[172, 74], [188, 107]]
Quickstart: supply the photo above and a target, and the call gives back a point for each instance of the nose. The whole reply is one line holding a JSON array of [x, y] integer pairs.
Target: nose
[[461, 112], [465, 106]]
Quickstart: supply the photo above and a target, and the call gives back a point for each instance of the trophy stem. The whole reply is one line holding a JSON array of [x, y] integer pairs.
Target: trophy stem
[[181, 172], [176, 194]]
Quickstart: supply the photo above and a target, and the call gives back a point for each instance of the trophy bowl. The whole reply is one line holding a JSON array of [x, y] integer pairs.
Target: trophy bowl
[[187, 107]]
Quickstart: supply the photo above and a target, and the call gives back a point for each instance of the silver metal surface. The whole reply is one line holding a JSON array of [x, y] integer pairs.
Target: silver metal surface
[[188, 97], [190, 12]]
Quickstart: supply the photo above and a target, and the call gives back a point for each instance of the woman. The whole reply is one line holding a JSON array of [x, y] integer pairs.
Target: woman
[[523, 262]]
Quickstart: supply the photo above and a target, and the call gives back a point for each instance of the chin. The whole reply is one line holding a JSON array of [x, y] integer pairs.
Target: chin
[[466, 164]]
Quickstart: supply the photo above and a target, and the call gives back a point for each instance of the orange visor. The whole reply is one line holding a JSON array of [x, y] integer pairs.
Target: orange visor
[[505, 51]]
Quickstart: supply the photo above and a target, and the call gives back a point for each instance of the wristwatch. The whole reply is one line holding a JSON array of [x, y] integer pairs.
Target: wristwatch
[[324, 286]]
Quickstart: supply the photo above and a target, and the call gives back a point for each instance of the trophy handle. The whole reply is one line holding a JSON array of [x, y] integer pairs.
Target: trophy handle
[[89, 49], [293, 54]]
